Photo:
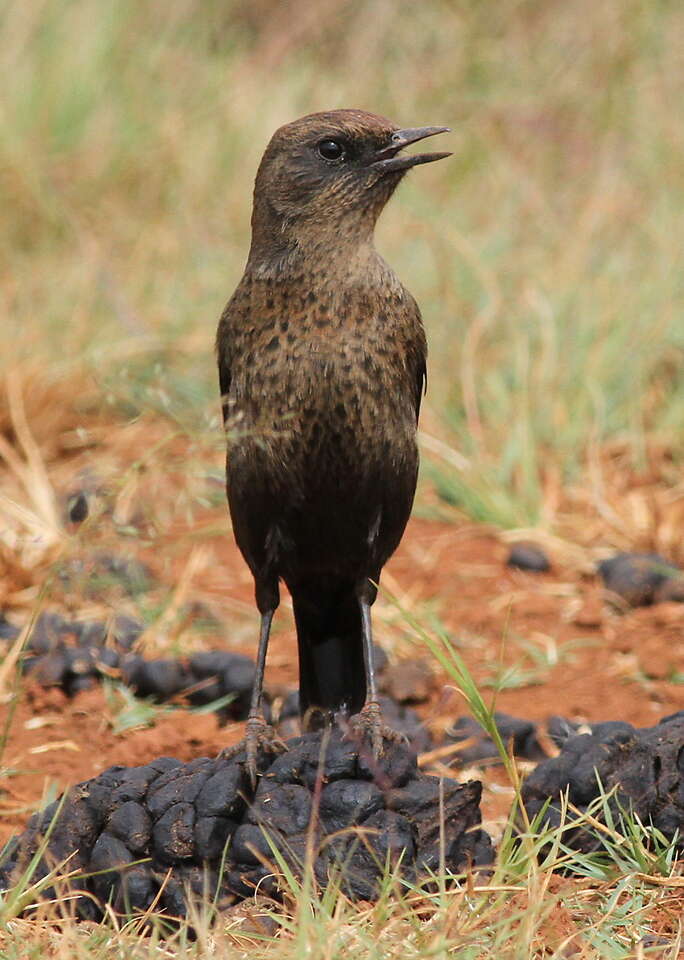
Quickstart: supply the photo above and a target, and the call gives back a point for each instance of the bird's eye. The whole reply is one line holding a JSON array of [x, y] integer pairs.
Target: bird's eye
[[331, 150]]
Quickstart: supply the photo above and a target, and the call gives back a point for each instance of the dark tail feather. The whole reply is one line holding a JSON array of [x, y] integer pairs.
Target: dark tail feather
[[332, 676]]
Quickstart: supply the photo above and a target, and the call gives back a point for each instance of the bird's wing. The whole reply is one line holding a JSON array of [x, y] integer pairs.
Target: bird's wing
[[224, 382], [223, 357], [417, 354], [421, 383]]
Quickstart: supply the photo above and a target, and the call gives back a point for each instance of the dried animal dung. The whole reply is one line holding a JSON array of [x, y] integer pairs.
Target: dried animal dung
[[74, 656], [95, 575], [645, 765], [528, 556], [7, 630], [197, 827], [637, 577], [479, 746], [77, 508]]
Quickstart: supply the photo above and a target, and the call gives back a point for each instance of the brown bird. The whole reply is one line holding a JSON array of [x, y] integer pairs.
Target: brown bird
[[321, 355]]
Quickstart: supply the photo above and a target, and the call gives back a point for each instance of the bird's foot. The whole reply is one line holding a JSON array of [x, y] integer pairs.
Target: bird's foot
[[259, 736], [369, 724]]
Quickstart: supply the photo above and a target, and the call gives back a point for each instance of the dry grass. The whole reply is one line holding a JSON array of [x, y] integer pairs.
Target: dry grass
[[543, 254]]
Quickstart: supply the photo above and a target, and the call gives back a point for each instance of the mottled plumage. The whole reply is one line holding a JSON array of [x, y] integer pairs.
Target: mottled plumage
[[322, 365]]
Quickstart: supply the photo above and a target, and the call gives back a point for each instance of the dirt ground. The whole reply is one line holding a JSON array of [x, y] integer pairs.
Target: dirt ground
[[592, 663], [551, 643]]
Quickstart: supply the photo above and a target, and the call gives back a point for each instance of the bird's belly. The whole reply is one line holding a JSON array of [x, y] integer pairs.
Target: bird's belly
[[327, 481], [324, 452], [328, 408]]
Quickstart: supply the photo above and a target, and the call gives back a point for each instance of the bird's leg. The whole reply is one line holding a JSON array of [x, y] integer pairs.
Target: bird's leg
[[258, 733], [369, 720]]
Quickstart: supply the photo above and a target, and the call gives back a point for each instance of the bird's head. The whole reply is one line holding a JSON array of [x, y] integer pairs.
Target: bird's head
[[330, 174]]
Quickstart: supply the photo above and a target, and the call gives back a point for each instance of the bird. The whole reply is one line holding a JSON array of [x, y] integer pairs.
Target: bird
[[322, 365]]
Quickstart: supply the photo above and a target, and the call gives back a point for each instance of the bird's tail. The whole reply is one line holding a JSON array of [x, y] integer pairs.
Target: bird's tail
[[332, 676]]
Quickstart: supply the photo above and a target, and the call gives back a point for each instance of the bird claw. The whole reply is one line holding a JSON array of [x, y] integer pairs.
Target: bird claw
[[259, 735], [369, 723]]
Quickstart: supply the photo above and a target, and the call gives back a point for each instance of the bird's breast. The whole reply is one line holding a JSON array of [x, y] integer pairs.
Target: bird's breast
[[312, 377], [323, 410]]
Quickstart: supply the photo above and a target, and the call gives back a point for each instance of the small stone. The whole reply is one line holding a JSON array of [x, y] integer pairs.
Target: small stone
[[227, 673], [138, 890], [106, 659], [393, 768], [134, 785], [50, 669], [75, 685], [672, 591], [208, 663], [479, 746], [249, 845], [132, 666], [164, 764], [7, 630], [125, 631], [301, 763], [209, 691], [380, 659], [80, 661], [48, 631], [162, 679], [387, 839], [636, 576], [77, 507], [445, 816], [238, 678], [528, 556]]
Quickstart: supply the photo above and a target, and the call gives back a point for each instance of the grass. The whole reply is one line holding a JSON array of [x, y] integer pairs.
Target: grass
[[542, 253], [543, 899], [546, 258]]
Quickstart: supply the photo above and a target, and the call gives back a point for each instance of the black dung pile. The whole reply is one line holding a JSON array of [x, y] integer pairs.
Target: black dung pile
[[478, 746], [642, 578], [184, 821], [71, 654], [74, 656], [199, 679], [528, 556], [647, 765]]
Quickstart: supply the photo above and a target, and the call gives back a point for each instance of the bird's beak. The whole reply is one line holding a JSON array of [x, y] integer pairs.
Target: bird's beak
[[387, 161]]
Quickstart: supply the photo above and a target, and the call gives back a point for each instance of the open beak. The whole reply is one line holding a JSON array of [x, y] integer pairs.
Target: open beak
[[387, 159]]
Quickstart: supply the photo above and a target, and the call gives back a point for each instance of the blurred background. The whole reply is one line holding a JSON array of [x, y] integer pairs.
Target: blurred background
[[546, 254]]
